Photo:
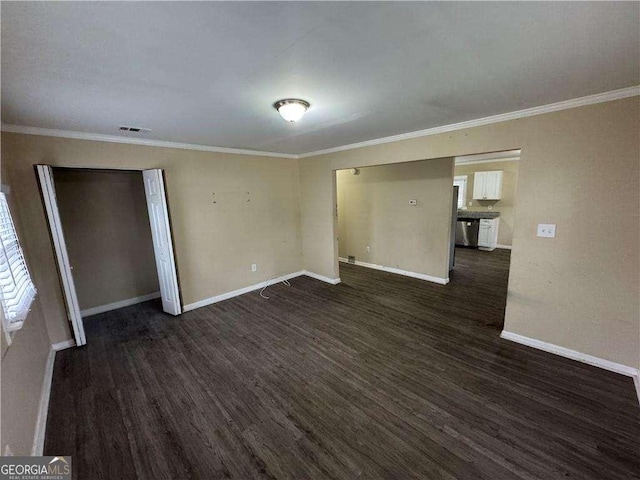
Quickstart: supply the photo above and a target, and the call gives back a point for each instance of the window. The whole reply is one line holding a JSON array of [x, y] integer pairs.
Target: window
[[460, 181], [16, 288]]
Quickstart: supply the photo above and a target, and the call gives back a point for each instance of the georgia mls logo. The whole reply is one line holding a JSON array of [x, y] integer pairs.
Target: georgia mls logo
[[35, 468], [62, 463]]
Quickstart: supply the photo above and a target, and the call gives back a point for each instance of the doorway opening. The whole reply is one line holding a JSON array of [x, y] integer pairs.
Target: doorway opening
[[112, 239], [396, 217], [405, 218], [484, 227], [485, 202]]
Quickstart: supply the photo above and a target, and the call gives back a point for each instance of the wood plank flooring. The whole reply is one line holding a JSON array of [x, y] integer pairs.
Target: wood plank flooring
[[379, 377]]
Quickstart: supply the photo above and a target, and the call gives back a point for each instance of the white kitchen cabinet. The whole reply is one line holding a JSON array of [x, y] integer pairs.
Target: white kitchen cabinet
[[487, 185], [488, 234]]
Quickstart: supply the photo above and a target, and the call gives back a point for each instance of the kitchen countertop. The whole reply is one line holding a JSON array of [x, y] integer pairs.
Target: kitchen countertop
[[464, 214]]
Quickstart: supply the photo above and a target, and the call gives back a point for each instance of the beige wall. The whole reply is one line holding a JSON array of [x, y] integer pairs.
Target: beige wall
[[107, 232], [579, 168], [215, 243], [374, 211], [22, 371], [506, 205]]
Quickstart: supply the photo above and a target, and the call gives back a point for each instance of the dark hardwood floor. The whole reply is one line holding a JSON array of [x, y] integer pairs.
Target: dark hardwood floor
[[380, 377]]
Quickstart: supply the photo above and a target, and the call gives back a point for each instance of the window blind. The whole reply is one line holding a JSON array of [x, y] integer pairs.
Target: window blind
[[16, 288]]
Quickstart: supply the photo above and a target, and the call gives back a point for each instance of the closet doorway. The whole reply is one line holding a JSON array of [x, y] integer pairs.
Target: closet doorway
[[112, 239]]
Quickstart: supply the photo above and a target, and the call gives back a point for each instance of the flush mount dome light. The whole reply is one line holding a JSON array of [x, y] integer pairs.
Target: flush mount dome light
[[291, 109]]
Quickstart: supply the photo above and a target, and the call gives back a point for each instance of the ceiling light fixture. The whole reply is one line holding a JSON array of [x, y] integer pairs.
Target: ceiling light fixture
[[291, 109]]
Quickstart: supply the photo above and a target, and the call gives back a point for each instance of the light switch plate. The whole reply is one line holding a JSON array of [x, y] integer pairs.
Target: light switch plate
[[547, 230]]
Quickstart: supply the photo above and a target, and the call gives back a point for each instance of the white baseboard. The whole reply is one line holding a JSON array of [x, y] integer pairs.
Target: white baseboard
[[322, 278], [241, 291], [115, 305], [398, 271], [43, 408], [63, 345], [505, 247], [575, 355]]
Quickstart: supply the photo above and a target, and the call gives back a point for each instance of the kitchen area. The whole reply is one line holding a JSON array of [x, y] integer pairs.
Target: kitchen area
[[485, 196], [477, 230]]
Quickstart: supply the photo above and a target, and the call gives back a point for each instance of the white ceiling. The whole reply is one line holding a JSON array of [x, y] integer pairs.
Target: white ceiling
[[208, 72]]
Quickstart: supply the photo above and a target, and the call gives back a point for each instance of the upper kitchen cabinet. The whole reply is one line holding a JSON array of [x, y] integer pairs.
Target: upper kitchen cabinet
[[487, 185]]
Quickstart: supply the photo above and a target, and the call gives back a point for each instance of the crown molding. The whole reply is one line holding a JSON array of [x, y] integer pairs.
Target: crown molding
[[506, 156], [48, 132], [493, 157], [503, 117], [497, 160]]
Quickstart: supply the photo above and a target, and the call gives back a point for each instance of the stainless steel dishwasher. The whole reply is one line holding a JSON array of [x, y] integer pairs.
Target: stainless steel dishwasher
[[467, 232]]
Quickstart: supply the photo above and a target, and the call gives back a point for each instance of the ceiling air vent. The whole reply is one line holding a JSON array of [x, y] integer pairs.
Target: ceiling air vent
[[125, 128]]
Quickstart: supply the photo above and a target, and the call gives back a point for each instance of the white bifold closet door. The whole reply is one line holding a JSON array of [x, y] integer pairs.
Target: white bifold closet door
[[162, 242], [45, 175]]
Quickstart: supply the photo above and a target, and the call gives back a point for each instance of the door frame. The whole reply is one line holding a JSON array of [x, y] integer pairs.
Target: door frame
[[47, 187]]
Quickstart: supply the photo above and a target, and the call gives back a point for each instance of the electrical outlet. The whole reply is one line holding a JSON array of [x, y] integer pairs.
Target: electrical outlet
[[368, 249], [547, 230], [254, 267]]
